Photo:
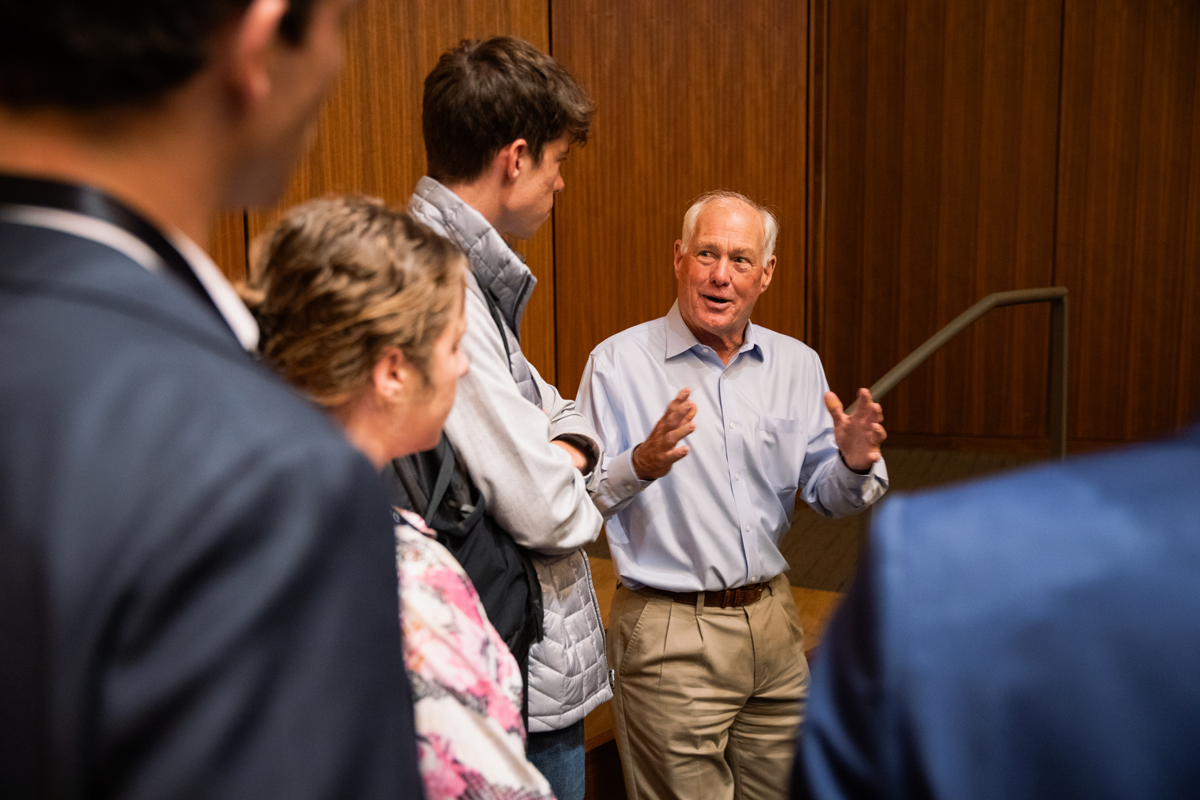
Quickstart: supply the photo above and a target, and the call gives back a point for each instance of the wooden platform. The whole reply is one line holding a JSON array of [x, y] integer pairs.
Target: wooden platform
[[814, 605]]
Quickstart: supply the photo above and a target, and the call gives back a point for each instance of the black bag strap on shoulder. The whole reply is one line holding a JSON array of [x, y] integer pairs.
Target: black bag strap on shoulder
[[432, 485], [446, 467]]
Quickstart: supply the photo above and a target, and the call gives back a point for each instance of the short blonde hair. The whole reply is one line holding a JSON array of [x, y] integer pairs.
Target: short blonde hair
[[338, 280], [769, 222]]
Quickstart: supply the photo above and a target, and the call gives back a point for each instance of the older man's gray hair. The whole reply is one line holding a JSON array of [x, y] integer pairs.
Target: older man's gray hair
[[769, 223]]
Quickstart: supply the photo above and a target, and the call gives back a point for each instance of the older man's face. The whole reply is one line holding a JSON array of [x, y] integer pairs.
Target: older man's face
[[723, 271]]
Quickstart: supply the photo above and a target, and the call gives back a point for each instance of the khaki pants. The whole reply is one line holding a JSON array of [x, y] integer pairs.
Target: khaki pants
[[707, 700]]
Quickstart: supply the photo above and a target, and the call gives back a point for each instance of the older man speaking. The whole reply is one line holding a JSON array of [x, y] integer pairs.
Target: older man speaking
[[704, 635]]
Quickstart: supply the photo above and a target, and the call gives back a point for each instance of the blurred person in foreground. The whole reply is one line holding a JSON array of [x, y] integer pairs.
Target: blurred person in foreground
[[704, 633], [197, 583], [1034, 635], [361, 309]]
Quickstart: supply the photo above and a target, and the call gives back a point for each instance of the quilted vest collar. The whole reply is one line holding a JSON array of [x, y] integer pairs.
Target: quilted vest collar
[[499, 271]]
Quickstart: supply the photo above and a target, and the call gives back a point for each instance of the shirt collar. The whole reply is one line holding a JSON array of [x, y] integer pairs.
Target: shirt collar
[[226, 298], [680, 338], [223, 295]]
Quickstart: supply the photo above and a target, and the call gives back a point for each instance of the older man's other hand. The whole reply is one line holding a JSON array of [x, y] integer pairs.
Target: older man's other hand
[[858, 435], [653, 458]]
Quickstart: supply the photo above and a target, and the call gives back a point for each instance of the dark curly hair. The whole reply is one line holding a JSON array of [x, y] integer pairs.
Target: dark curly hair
[[91, 55], [485, 94]]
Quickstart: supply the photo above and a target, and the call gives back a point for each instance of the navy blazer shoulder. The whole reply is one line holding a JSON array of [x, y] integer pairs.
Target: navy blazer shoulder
[[197, 573], [1033, 635]]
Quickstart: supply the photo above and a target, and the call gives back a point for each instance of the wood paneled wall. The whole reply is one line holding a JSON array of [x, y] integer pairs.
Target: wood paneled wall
[[368, 139], [690, 97], [919, 153], [941, 169], [1129, 214], [980, 147], [227, 245]]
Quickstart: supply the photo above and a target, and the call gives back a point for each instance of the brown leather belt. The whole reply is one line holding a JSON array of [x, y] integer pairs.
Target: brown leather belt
[[730, 598]]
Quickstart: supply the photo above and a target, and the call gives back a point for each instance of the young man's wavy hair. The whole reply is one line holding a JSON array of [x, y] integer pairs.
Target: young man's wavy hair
[[93, 55], [486, 94]]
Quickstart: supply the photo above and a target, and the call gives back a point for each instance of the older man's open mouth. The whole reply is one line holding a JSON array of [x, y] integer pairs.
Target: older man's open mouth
[[717, 303]]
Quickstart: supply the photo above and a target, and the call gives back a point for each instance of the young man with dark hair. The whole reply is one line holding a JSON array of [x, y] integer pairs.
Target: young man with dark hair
[[197, 575], [499, 119], [486, 95]]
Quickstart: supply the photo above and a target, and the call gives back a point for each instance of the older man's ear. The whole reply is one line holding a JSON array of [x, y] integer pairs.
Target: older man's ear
[[768, 272]]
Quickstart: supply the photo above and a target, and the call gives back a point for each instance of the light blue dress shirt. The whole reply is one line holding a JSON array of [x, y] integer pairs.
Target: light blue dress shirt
[[762, 433]]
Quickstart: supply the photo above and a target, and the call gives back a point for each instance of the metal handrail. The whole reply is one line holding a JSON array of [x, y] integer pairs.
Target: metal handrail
[[1057, 297]]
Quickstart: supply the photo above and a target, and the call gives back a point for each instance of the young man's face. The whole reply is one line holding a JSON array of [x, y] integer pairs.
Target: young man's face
[[531, 199]]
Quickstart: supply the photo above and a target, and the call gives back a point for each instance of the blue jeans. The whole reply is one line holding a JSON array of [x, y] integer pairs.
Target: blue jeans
[[559, 756]]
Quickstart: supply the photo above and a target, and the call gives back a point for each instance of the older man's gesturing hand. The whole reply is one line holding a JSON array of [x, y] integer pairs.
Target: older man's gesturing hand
[[858, 435], [653, 458]]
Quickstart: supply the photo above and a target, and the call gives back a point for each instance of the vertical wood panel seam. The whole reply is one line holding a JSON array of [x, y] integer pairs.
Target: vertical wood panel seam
[[808, 178], [860, 355], [554, 348], [1183, 413], [246, 243], [819, 311], [1062, 46], [554, 297], [1058, 170], [1132, 357], [816, 170]]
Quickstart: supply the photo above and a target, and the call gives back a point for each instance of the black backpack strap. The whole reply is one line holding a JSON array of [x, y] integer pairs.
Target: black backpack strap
[[410, 480], [524, 664], [445, 472]]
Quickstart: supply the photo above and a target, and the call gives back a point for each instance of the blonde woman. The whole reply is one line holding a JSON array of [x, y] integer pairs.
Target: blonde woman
[[361, 309]]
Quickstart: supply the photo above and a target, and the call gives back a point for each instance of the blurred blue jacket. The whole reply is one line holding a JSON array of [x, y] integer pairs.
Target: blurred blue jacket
[[1034, 635]]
